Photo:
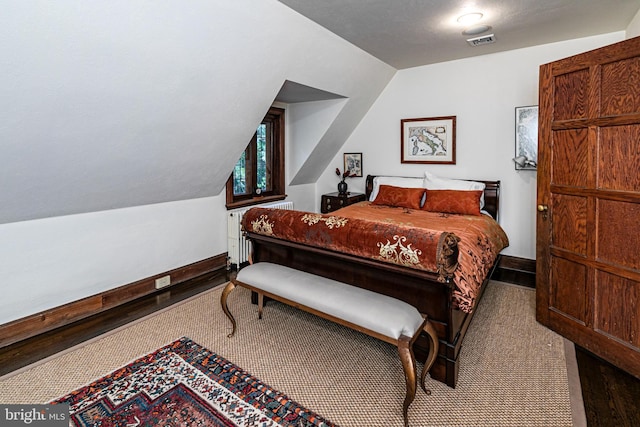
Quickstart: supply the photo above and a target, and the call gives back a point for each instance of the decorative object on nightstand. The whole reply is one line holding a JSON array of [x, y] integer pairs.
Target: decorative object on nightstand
[[342, 185], [334, 201]]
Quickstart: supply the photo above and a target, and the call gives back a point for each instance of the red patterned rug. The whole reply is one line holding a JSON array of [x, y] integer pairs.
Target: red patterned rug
[[184, 384]]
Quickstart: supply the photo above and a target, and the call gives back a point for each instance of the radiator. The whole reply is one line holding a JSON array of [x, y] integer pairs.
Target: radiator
[[237, 246]]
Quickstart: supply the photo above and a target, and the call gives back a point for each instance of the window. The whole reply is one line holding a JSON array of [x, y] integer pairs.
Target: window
[[258, 176]]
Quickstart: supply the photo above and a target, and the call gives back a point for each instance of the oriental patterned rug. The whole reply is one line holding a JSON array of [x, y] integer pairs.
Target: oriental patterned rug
[[184, 384]]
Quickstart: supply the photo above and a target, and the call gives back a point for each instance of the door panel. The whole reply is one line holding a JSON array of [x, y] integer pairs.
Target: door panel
[[620, 92], [588, 227], [571, 95], [569, 230], [617, 163], [571, 157], [618, 238], [569, 288], [624, 325]]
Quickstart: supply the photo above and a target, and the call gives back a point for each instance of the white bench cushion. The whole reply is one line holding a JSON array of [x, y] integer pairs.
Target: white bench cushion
[[379, 313]]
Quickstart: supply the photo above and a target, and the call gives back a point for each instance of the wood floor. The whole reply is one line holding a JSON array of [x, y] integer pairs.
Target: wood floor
[[31, 350], [611, 397]]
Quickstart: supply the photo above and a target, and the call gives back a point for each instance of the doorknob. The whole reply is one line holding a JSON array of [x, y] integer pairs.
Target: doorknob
[[543, 209]]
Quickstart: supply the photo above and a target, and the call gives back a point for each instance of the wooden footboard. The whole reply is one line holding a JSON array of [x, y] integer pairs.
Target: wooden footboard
[[418, 288]]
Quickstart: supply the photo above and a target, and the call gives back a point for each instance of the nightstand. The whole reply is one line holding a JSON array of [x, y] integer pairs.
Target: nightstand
[[333, 201]]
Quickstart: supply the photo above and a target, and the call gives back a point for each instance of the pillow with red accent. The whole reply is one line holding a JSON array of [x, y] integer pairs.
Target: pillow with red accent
[[389, 195], [434, 182], [395, 181], [466, 202]]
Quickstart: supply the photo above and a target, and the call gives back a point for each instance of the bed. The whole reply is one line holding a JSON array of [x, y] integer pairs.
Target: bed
[[437, 261]]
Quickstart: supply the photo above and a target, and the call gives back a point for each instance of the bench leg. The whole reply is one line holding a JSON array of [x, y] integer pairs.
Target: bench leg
[[431, 357], [223, 301], [260, 304], [405, 350]]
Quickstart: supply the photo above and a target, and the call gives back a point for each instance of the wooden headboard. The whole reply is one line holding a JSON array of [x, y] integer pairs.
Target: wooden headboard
[[491, 194]]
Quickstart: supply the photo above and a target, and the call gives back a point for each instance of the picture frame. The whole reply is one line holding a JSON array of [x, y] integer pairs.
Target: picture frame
[[428, 140], [526, 140], [353, 164]]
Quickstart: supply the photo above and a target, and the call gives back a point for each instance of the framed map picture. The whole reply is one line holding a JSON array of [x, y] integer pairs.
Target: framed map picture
[[428, 140]]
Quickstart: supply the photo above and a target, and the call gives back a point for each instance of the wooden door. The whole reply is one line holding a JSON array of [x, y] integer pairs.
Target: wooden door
[[588, 224]]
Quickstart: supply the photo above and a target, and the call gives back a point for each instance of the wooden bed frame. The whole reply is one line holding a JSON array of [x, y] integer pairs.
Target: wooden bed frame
[[418, 288]]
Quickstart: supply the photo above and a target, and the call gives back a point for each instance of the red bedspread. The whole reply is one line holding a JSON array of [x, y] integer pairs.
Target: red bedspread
[[412, 238]]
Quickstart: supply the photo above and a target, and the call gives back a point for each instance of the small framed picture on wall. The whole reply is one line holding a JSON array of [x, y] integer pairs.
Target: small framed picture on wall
[[353, 163]]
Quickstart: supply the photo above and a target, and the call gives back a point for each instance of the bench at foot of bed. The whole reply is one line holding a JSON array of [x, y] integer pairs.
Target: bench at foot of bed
[[371, 313]]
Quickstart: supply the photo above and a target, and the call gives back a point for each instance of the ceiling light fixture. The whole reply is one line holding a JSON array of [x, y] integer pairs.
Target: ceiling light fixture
[[476, 29], [469, 18]]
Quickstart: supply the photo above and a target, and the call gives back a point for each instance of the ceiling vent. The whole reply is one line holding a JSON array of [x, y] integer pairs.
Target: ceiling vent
[[478, 41]]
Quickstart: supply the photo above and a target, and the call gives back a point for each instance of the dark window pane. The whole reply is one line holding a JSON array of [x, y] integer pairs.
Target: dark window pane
[[261, 157], [259, 173], [239, 176]]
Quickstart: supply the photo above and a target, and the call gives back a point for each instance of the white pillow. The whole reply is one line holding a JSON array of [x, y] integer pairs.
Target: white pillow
[[432, 182], [395, 181]]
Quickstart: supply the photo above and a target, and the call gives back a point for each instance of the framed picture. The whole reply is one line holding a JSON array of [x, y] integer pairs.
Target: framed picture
[[526, 156], [353, 163], [428, 140]]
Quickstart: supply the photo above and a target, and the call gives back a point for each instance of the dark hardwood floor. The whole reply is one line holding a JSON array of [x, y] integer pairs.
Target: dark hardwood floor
[[31, 350], [611, 396]]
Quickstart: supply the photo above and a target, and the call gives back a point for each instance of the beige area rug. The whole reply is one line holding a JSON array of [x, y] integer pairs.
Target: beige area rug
[[513, 370]]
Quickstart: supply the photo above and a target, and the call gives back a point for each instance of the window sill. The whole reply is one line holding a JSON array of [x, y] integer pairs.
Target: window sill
[[255, 201]]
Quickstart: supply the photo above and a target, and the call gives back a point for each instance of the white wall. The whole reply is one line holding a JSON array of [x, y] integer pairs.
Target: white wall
[[48, 262], [483, 93], [109, 104], [633, 30], [52, 261], [135, 113]]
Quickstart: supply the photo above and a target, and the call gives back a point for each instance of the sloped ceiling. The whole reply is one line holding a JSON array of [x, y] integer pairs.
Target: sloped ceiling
[[109, 104]]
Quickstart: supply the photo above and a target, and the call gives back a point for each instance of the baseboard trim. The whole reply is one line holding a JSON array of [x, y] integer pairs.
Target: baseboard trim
[[519, 271], [56, 317]]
